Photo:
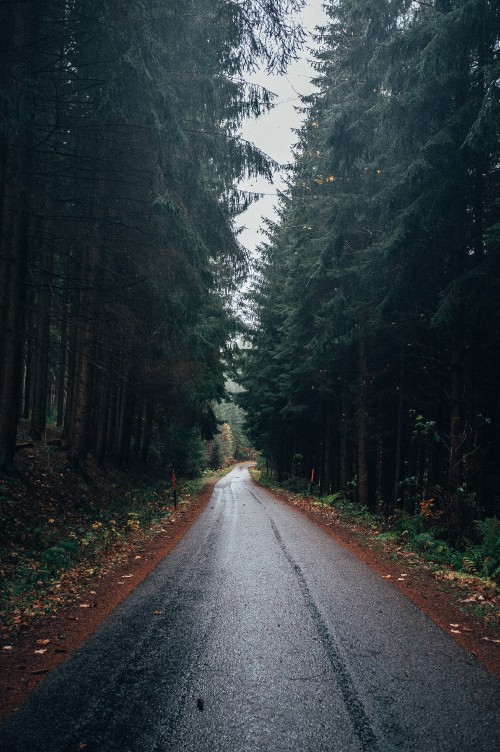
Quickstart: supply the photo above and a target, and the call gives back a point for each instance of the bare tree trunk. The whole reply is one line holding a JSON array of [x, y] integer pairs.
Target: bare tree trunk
[[14, 235], [147, 430], [343, 450], [79, 439], [399, 434], [362, 429], [456, 396], [103, 401], [61, 370], [125, 420], [40, 382], [28, 365]]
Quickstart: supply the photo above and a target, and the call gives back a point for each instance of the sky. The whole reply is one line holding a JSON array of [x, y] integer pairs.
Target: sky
[[274, 132]]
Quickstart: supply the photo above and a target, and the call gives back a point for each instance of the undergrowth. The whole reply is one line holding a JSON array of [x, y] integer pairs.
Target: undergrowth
[[57, 527], [475, 565]]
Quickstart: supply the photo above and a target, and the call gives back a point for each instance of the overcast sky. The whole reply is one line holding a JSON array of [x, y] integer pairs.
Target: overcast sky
[[273, 133]]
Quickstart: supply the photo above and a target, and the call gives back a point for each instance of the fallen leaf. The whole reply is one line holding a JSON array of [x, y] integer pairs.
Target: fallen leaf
[[41, 651], [8, 647], [454, 625], [92, 592], [156, 613], [42, 642], [84, 605], [127, 575], [455, 631], [387, 576]]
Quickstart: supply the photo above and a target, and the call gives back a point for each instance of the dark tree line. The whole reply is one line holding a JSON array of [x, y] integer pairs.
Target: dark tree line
[[376, 332], [119, 159]]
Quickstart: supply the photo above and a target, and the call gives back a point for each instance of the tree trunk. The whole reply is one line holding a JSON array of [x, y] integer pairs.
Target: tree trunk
[[103, 410], [40, 381], [14, 234], [399, 434], [61, 370], [362, 429], [125, 420], [28, 365], [147, 430], [80, 419]]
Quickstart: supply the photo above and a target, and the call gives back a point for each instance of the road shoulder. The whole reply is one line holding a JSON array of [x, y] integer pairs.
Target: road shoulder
[[44, 645], [434, 598]]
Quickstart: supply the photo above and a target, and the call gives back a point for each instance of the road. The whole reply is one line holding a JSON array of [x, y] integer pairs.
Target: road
[[259, 633]]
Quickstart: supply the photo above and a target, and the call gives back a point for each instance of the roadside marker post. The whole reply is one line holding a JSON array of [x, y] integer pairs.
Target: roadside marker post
[[174, 488], [311, 485]]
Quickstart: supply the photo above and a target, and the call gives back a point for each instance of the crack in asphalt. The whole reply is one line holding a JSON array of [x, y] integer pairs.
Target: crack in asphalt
[[352, 701]]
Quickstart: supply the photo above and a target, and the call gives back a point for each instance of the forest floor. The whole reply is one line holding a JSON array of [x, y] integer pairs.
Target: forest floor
[[53, 599]]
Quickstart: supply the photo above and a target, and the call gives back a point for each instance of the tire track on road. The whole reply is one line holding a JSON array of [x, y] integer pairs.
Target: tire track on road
[[352, 701]]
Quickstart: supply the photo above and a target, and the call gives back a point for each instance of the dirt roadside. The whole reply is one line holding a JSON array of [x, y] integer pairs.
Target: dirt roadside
[[43, 646], [439, 600]]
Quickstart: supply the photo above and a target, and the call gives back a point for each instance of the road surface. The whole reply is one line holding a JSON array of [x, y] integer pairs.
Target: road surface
[[259, 633]]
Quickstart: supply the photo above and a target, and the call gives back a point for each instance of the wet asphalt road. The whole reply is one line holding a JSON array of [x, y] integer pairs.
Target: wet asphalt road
[[271, 637]]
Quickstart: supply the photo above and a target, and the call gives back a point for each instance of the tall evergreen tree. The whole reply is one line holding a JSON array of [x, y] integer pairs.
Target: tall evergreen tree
[[119, 158], [380, 264]]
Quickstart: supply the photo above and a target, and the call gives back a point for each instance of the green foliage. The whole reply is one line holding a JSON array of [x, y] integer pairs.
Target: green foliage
[[296, 484], [52, 542], [349, 510], [484, 557]]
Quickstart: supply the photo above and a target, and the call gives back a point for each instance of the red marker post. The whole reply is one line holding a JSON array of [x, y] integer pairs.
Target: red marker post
[[311, 485], [174, 487]]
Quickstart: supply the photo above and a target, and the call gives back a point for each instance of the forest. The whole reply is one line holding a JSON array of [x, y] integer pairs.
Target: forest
[[371, 358], [373, 365], [119, 169]]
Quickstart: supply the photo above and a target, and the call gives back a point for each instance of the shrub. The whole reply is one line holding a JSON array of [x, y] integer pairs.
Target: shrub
[[294, 484], [484, 557], [61, 555]]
